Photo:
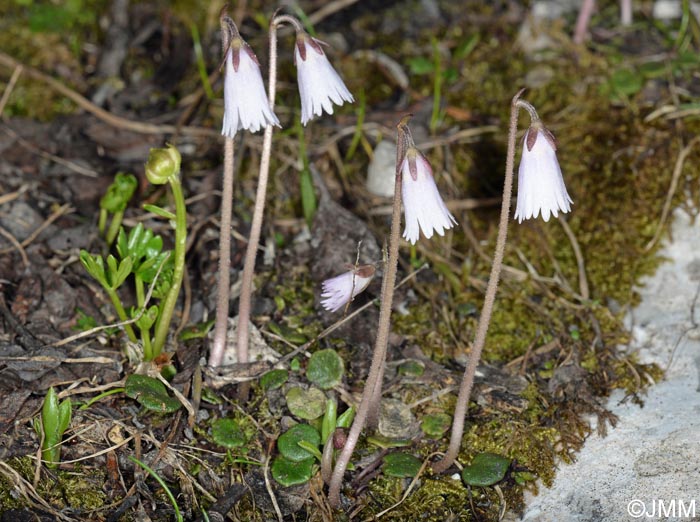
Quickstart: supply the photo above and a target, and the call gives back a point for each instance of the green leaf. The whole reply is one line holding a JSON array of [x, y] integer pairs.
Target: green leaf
[[273, 379], [523, 477], [165, 279], [290, 473], [119, 192], [117, 272], [421, 65], [387, 443], [486, 469], [329, 420], [55, 419], [147, 319], [346, 418], [228, 433], [288, 333], [197, 331], [64, 416], [150, 393], [306, 445], [94, 265], [50, 415], [435, 425], [306, 404], [122, 272], [325, 369], [626, 82], [288, 442], [411, 369], [158, 211], [83, 322], [148, 269], [466, 47], [401, 465], [142, 246]]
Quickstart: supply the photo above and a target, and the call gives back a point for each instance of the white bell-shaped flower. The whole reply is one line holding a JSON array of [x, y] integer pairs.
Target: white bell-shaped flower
[[341, 289], [541, 186], [245, 101], [319, 84], [424, 209]]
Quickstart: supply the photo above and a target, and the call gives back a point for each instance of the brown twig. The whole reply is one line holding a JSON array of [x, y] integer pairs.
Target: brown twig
[[580, 263], [18, 246], [677, 170], [52, 157], [10, 87], [59, 212], [11, 196], [109, 118]]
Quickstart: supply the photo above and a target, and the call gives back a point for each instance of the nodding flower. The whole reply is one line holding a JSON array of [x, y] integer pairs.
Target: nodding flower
[[319, 83], [245, 101], [424, 209], [541, 186], [343, 288]]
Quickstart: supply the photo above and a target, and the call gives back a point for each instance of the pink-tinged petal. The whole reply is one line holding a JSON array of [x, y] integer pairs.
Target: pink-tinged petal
[[320, 86], [541, 188], [424, 209], [341, 289], [245, 101]]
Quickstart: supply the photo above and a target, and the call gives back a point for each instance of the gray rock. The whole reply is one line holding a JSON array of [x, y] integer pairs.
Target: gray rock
[[647, 467]]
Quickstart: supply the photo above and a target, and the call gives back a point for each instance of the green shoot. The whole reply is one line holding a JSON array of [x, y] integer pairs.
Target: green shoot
[[201, 65], [357, 136], [115, 201], [55, 418], [101, 396], [110, 279], [163, 166], [140, 253]]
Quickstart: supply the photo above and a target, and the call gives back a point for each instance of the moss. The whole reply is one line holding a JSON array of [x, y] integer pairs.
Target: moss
[[83, 490]]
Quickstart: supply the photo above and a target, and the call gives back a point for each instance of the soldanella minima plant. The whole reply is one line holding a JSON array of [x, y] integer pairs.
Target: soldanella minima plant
[[424, 211], [541, 190], [248, 107]]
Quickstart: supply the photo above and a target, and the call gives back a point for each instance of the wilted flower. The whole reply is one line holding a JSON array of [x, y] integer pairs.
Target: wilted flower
[[319, 83], [339, 290], [245, 101], [540, 183], [422, 204]]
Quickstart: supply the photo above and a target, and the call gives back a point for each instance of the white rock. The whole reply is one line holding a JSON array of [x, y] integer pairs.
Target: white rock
[[646, 468], [381, 173], [672, 9]]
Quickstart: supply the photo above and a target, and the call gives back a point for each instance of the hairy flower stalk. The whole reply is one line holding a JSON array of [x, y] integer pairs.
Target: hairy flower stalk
[[246, 107], [340, 290], [376, 371], [489, 299], [244, 306]]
